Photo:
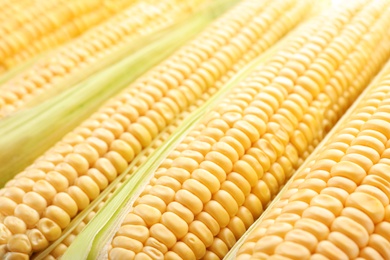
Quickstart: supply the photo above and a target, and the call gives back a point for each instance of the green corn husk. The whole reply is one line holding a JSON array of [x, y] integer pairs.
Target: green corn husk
[[29, 133]]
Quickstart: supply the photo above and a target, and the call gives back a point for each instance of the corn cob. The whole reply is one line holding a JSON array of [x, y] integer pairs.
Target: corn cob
[[214, 185], [60, 249], [337, 207], [71, 174], [140, 19], [44, 25]]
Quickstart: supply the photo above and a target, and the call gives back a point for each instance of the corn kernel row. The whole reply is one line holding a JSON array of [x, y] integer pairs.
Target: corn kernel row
[[49, 193], [225, 172], [45, 25], [338, 206], [140, 19]]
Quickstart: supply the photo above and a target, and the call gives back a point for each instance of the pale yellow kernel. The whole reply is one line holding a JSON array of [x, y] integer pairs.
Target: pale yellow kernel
[[103, 134], [303, 238], [378, 182], [185, 163], [368, 204], [37, 240], [375, 192], [35, 201], [292, 250], [240, 182], [65, 202], [121, 253], [345, 244], [239, 136], [35, 174], [98, 178], [359, 159], [119, 163], [319, 230], [214, 169], [140, 133], [23, 183], [352, 229], [175, 224], [107, 168], [217, 212], [184, 251], [79, 197], [226, 150], [16, 256], [369, 253], [227, 201], [271, 182], [5, 234], [343, 183], [19, 243], [133, 219], [49, 229], [99, 145], [328, 202], [207, 179], [127, 243], [182, 211], [172, 255], [209, 221], [234, 191], [221, 160], [163, 234], [137, 232], [382, 229], [305, 195], [219, 248], [245, 216], [330, 251], [123, 148], [88, 186], [169, 182], [58, 215], [149, 214], [27, 214], [189, 200], [78, 162], [88, 152], [153, 201], [262, 191], [279, 229], [152, 242], [337, 193], [44, 166], [320, 214], [57, 180], [7, 206], [237, 227], [59, 251], [198, 189], [164, 193], [227, 236], [67, 171]]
